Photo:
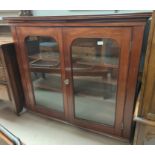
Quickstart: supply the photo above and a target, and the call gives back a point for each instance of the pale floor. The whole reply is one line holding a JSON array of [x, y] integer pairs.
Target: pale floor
[[34, 129]]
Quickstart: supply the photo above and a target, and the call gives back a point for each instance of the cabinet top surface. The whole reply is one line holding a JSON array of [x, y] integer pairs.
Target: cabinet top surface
[[131, 17]]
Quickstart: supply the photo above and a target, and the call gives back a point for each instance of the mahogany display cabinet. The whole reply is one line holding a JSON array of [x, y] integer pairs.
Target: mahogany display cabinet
[[81, 69]]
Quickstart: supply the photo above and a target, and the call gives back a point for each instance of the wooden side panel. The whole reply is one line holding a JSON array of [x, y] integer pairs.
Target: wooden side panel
[[135, 52], [149, 92], [145, 129], [13, 76], [147, 99]]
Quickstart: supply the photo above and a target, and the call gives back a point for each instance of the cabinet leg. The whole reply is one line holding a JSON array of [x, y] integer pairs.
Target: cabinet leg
[[22, 112]]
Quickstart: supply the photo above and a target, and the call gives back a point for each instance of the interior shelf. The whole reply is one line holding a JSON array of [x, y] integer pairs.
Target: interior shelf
[[82, 85]]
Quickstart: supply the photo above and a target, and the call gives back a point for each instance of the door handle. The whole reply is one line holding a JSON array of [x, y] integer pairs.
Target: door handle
[[66, 82]]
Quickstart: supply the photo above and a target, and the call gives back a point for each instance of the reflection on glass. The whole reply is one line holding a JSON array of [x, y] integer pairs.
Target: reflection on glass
[[44, 64], [95, 69]]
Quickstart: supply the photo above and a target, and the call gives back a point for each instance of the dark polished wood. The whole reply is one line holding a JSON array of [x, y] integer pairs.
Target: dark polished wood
[[8, 54], [85, 18], [123, 37], [126, 30], [132, 79]]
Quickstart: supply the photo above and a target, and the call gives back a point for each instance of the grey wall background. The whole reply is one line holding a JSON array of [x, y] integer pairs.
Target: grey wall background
[[81, 12]]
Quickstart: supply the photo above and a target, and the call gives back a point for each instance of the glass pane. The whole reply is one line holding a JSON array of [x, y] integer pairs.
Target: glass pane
[[95, 71], [44, 64]]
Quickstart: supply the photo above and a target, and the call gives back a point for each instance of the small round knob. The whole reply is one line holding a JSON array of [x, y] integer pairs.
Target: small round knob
[[66, 81]]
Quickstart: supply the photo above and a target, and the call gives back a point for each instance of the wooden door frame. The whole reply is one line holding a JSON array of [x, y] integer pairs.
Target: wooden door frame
[[123, 37], [24, 32]]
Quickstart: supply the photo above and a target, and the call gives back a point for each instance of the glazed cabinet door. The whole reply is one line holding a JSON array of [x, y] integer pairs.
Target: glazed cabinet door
[[41, 68], [96, 70]]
